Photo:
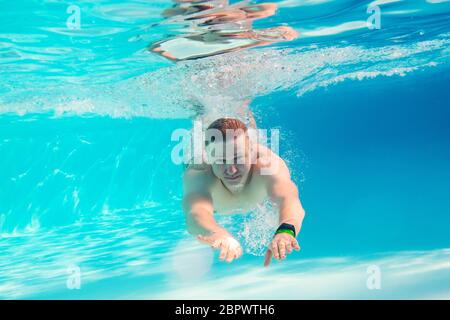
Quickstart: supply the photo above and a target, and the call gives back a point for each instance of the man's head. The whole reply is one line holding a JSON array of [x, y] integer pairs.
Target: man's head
[[229, 151]]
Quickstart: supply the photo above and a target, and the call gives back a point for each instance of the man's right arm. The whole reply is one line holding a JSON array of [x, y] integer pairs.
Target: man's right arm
[[199, 210], [197, 203]]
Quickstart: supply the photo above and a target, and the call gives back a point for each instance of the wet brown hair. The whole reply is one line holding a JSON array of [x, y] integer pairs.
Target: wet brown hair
[[224, 124]]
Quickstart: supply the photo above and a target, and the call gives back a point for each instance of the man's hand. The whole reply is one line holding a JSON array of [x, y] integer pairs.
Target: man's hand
[[229, 247], [281, 244]]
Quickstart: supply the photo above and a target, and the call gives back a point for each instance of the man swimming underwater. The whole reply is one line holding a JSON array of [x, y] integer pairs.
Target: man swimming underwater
[[239, 180]]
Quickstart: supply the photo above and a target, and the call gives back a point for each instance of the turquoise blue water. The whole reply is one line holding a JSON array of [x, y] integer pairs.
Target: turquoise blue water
[[90, 200]]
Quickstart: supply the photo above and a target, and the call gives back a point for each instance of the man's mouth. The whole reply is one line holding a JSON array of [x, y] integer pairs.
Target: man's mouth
[[233, 178]]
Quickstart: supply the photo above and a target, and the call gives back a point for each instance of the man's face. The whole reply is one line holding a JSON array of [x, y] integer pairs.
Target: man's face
[[232, 165]]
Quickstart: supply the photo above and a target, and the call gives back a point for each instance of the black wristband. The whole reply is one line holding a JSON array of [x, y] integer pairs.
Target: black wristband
[[286, 226]]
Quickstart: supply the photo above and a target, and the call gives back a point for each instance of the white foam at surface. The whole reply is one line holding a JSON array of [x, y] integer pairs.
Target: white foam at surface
[[225, 82], [344, 27]]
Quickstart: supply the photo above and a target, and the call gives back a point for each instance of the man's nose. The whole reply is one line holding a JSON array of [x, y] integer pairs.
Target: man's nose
[[231, 170]]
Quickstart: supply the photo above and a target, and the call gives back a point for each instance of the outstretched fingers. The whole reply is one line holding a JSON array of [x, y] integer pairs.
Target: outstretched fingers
[[229, 248], [231, 254], [224, 248], [274, 249], [282, 249], [295, 244], [289, 246], [268, 258]]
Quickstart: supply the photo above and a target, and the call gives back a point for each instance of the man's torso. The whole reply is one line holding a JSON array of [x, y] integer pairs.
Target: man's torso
[[253, 192]]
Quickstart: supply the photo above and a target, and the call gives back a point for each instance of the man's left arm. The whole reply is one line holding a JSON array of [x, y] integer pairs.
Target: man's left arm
[[283, 192]]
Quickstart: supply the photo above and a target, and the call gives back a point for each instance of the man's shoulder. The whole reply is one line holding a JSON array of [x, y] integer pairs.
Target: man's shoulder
[[268, 163]]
